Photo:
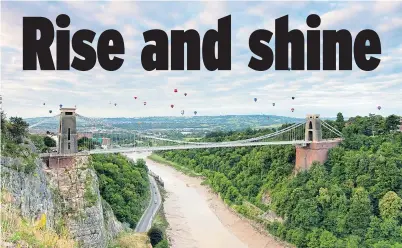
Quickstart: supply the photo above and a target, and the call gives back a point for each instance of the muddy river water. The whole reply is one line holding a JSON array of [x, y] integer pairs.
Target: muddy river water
[[198, 218]]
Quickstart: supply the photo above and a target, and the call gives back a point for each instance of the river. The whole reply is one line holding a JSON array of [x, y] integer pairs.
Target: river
[[198, 218]]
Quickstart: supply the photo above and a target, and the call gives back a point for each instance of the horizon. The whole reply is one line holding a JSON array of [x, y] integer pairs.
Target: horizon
[[226, 115]]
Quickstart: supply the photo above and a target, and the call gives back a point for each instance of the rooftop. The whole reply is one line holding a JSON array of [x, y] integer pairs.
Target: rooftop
[[67, 109]]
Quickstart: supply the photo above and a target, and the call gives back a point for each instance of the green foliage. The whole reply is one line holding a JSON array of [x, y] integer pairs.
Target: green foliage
[[89, 194], [353, 200], [13, 133], [86, 144], [340, 122], [163, 244], [3, 120], [123, 184], [390, 206], [17, 129], [392, 122], [155, 235], [49, 142], [38, 141]]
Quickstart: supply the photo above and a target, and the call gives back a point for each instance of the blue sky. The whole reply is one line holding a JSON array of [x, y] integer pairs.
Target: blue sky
[[210, 93]]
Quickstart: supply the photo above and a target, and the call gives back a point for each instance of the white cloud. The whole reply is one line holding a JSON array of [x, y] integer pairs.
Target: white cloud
[[390, 24], [336, 17], [228, 92], [384, 6]]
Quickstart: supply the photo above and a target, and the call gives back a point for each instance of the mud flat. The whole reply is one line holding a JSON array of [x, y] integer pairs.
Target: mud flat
[[198, 218]]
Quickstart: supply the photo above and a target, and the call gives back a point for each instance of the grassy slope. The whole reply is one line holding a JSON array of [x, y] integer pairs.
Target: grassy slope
[[132, 240]]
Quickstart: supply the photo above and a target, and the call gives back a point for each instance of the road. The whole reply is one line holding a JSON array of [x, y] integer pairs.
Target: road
[[146, 220]]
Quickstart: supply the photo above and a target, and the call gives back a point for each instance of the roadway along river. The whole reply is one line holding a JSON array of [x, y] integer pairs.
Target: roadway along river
[[199, 219]]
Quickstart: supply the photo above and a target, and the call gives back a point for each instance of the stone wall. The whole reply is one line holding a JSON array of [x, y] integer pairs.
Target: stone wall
[[316, 151]]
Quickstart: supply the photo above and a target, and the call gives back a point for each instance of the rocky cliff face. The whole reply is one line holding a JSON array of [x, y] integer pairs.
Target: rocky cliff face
[[30, 191], [68, 196]]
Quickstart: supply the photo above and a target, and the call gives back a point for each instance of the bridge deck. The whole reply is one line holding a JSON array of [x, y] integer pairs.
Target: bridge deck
[[184, 147]]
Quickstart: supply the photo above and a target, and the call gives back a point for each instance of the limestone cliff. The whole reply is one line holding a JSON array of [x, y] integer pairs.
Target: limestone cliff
[[30, 191], [68, 195]]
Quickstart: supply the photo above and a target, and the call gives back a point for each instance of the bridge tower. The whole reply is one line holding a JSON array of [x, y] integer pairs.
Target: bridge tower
[[317, 148], [313, 128], [67, 137]]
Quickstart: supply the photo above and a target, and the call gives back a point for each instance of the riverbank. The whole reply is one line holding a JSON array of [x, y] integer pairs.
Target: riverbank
[[160, 220], [248, 233]]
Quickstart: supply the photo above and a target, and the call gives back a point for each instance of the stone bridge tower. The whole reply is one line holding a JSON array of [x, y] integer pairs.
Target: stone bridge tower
[[317, 148], [313, 128], [67, 137]]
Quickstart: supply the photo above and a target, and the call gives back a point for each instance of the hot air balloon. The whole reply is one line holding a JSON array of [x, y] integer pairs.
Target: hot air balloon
[[293, 97], [175, 90], [115, 104], [145, 103], [171, 105], [182, 112], [379, 107], [44, 104], [292, 109], [255, 99], [61, 105], [50, 111], [135, 97], [195, 112], [185, 94], [273, 104]]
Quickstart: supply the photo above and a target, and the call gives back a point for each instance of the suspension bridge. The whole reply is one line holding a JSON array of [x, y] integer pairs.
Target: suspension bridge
[[79, 135]]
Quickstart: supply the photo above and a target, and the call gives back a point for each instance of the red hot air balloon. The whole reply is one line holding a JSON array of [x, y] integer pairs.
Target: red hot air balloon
[[171, 105], [175, 90], [379, 107], [293, 109]]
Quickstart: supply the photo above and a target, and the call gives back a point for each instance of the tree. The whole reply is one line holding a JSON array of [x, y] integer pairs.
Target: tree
[[49, 142], [162, 244], [3, 123], [390, 206], [155, 235], [360, 212], [38, 141], [391, 123], [87, 143], [340, 121], [124, 184], [327, 240], [18, 129]]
